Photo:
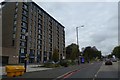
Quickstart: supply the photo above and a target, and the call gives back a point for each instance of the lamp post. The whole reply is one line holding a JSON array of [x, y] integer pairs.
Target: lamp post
[[26, 55], [78, 42]]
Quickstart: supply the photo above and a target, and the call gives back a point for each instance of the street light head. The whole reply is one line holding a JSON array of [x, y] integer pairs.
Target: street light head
[[82, 26]]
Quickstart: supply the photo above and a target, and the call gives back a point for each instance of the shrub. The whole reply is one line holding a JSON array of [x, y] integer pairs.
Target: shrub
[[64, 63], [48, 65]]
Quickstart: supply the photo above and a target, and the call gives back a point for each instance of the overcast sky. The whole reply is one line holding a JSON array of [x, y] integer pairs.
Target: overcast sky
[[100, 20]]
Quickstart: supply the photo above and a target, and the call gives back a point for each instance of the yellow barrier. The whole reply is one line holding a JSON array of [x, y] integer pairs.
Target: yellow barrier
[[15, 70]]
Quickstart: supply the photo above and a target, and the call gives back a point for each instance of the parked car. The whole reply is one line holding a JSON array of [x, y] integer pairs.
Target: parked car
[[108, 62]]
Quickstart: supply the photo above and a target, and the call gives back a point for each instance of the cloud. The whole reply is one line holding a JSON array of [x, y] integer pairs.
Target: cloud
[[100, 20], [77, 0]]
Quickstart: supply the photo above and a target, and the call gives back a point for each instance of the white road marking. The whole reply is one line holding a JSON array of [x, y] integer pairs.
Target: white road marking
[[98, 71]]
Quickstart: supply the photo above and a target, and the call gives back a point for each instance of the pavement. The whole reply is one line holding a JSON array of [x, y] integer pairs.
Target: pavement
[[30, 68], [96, 71], [49, 74], [108, 71], [89, 71]]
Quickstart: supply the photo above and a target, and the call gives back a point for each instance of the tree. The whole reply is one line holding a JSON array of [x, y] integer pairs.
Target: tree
[[116, 51], [91, 53], [87, 53], [55, 56], [110, 56], [72, 51]]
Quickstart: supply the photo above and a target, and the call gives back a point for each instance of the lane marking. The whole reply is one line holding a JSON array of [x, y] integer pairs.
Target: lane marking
[[68, 74], [98, 72]]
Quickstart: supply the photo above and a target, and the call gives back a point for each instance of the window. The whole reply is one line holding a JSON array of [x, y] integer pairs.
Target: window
[[34, 7], [38, 42], [15, 16], [40, 16], [25, 6], [39, 36], [31, 9], [22, 44], [40, 21], [23, 36], [50, 40], [40, 31], [39, 26], [23, 30], [30, 32], [50, 36], [50, 45], [14, 29], [24, 18], [13, 42], [24, 24], [16, 9], [16, 3], [38, 47], [24, 12], [22, 50], [38, 52], [50, 49], [39, 11], [31, 51], [14, 35], [15, 22]]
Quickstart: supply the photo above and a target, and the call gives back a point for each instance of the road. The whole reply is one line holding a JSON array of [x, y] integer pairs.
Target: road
[[91, 71], [96, 71]]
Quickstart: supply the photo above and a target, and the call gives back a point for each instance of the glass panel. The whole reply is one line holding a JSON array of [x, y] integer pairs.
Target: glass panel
[[25, 6], [22, 50], [23, 36], [24, 24], [24, 12], [13, 35], [15, 15], [16, 3], [22, 43], [15, 22], [23, 30], [24, 18], [16, 9], [14, 29]]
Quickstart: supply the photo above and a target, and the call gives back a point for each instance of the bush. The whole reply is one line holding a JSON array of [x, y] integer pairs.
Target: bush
[[48, 65], [51, 64], [64, 63], [57, 65]]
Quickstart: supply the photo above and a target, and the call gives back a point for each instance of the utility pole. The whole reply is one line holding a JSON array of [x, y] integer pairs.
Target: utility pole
[[78, 43]]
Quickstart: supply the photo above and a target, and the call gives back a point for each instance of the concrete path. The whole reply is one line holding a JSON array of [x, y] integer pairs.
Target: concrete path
[[30, 68]]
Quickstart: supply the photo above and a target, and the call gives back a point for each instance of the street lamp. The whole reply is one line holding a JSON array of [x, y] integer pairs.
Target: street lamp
[[26, 55], [78, 42]]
